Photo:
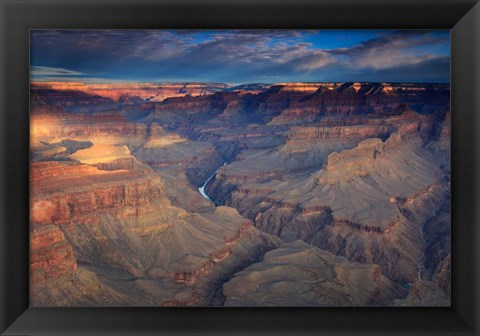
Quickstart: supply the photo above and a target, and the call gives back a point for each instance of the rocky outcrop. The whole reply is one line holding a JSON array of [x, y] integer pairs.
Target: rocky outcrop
[[51, 124], [146, 91], [298, 274], [361, 98], [51, 256], [215, 257], [424, 294], [190, 109], [62, 192], [75, 100], [437, 236], [167, 151], [55, 277], [121, 221], [354, 212]]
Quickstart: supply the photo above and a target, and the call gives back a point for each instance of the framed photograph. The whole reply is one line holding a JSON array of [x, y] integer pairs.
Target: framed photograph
[[228, 167]]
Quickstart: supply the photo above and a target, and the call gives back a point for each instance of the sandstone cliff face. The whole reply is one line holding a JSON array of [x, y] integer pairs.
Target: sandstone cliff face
[[150, 92], [80, 197], [362, 98], [74, 100], [55, 277], [51, 124], [307, 146], [59, 192], [193, 109], [50, 254]]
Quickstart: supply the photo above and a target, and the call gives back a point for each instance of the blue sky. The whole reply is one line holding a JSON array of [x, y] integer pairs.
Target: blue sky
[[240, 56]]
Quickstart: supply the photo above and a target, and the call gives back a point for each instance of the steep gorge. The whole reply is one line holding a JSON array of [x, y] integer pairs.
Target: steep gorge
[[350, 176]]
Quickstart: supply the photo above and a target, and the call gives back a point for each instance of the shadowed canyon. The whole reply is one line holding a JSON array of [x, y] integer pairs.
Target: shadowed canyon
[[207, 194]]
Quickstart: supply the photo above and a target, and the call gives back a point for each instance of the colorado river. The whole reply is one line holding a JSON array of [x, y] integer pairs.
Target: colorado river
[[202, 188]]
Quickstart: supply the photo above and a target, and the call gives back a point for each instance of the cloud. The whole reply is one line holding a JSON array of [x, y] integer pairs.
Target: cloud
[[431, 69], [48, 71], [87, 80], [233, 56], [391, 50], [399, 40]]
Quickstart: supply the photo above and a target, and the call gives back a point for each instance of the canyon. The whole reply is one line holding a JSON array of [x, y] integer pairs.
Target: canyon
[[207, 194]]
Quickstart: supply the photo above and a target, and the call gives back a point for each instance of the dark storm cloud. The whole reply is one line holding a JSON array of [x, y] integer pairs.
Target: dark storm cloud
[[237, 56]]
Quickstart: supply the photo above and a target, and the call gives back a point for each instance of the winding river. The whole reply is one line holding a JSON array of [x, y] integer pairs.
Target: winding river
[[202, 188]]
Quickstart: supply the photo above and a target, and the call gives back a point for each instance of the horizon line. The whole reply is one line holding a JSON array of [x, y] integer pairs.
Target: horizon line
[[228, 84]]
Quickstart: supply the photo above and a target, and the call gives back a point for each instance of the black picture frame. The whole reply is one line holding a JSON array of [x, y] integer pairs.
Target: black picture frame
[[17, 17]]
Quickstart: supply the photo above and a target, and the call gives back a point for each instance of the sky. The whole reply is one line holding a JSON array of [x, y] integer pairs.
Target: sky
[[240, 56]]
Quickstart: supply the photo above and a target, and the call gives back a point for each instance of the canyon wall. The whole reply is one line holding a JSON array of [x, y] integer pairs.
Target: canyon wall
[[320, 194]]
